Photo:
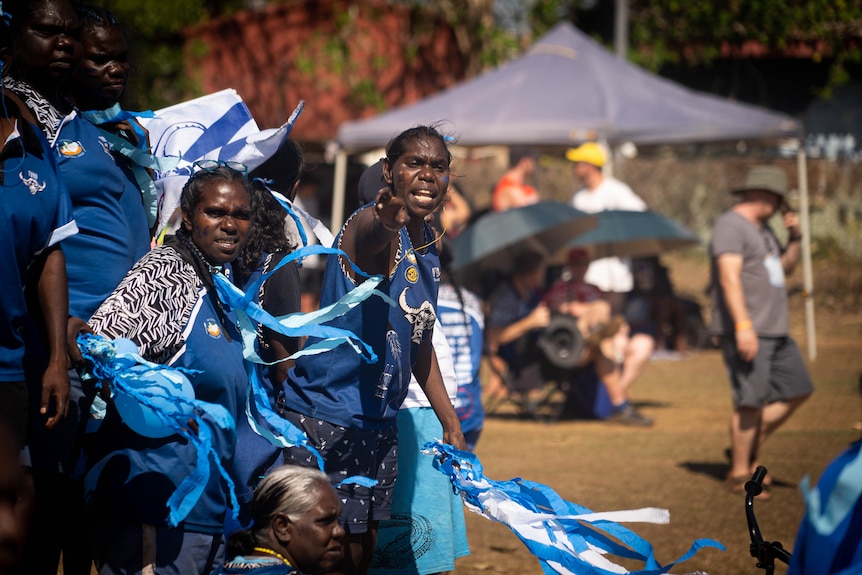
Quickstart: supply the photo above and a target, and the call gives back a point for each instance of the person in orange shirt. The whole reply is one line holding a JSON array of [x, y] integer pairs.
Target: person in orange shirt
[[512, 190]]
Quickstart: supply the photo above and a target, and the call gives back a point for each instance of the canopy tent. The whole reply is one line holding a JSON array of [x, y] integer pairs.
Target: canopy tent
[[566, 89]]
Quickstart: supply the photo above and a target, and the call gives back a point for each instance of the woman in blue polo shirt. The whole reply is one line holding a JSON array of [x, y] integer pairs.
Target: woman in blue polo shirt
[[168, 306]]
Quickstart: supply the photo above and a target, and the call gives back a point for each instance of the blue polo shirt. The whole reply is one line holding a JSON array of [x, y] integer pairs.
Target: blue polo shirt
[[162, 300], [109, 212], [35, 213]]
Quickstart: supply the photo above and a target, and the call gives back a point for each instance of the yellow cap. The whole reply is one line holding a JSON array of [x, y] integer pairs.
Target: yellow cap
[[590, 152]]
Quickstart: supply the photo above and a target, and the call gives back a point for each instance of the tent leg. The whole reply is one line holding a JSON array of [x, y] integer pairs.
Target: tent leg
[[338, 192], [807, 277]]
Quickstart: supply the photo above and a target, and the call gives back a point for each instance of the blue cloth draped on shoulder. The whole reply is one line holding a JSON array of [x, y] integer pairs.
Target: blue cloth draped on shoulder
[[565, 537], [157, 404]]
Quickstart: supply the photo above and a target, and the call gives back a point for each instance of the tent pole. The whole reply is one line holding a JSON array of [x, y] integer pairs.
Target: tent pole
[[621, 28], [338, 191], [807, 278]]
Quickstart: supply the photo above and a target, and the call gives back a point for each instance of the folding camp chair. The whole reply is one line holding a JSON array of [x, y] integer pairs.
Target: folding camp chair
[[541, 388]]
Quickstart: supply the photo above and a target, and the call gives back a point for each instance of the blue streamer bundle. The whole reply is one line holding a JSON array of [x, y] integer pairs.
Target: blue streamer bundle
[[157, 401], [566, 538], [259, 413]]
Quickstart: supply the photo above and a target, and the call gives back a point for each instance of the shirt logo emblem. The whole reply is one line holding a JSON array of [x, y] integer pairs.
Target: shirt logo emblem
[[213, 328], [70, 148], [421, 318], [32, 182], [412, 274]]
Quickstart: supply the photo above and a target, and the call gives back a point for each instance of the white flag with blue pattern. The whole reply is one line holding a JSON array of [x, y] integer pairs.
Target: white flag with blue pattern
[[218, 126]]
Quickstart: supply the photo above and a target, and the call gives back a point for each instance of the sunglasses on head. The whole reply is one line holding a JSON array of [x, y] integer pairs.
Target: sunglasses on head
[[212, 165]]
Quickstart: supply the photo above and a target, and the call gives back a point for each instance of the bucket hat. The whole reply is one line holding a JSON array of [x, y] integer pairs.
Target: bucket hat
[[770, 178]]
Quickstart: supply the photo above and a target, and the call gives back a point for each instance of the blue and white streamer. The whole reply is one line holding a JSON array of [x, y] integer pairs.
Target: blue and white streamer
[[116, 369], [279, 431], [139, 155], [566, 538]]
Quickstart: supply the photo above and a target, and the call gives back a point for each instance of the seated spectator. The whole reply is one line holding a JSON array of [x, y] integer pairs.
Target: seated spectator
[[295, 526], [572, 295], [517, 317], [618, 351]]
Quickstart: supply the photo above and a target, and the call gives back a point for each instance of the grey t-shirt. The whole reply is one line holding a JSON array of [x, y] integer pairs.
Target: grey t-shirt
[[762, 275]]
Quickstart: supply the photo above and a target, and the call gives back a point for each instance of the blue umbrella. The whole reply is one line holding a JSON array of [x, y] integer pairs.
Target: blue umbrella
[[494, 240], [632, 234]]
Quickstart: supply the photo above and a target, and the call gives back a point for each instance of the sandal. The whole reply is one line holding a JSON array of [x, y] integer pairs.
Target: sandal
[[767, 479], [737, 485]]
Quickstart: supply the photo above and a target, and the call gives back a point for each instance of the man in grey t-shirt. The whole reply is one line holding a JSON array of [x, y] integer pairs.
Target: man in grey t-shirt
[[768, 377]]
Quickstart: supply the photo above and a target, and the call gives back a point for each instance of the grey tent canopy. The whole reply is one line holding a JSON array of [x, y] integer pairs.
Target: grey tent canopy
[[567, 88]]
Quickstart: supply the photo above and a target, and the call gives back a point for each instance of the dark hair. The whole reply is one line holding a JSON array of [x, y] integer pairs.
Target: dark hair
[[97, 17], [19, 11], [370, 183], [528, 261], [518, 153], [267, 228], [398, 145], [193, 190], [283, 168], [290, 490]]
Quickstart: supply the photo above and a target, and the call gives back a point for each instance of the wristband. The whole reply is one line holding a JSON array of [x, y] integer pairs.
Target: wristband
[[743, 325], [792, 239]]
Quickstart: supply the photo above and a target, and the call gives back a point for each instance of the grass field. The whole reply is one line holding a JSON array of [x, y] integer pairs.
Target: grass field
[[679, 464]]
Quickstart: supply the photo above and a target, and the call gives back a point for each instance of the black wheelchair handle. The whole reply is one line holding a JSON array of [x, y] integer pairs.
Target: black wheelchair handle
[[754, 486]]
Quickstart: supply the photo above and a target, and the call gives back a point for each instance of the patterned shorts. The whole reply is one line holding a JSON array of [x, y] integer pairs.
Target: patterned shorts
[[349, 452]]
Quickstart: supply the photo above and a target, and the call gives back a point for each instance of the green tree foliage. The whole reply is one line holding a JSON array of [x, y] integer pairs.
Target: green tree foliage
[[661, 32], [154, 31], [693, 31], [482, 43]]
